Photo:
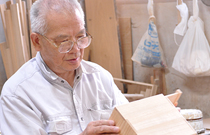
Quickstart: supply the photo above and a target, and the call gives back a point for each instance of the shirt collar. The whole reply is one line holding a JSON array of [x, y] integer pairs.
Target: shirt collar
[[47, 72]]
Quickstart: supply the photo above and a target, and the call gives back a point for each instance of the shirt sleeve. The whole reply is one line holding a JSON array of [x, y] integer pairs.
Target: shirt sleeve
[[18, 118]]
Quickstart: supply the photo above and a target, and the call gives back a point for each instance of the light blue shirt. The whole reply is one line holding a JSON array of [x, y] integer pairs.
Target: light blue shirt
[[35, 101]]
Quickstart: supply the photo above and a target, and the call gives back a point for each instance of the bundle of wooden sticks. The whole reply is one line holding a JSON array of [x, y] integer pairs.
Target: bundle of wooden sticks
[[16, 22]]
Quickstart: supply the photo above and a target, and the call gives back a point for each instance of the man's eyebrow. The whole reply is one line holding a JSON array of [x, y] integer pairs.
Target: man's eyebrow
[[61, 36], [67, 36]]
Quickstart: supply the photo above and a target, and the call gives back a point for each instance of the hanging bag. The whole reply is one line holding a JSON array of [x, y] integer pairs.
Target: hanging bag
[[193, 55], [149, 52]]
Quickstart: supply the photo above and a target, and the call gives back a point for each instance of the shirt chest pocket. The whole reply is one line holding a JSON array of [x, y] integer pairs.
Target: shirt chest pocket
[[101, 110], [59, 125]]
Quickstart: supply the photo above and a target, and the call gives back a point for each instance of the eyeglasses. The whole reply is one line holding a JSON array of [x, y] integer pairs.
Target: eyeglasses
[[66, 46]]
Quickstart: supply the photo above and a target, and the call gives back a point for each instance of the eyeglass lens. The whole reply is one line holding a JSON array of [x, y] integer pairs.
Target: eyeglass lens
[[81, 43]]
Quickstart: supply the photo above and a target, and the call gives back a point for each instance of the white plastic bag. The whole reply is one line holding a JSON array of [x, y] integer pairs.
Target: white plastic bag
[[193, 55], [181, 28], [149, 52]]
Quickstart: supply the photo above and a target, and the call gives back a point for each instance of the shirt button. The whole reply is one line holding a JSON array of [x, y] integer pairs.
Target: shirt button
[[62, 81], [77, 77], [82, 119]]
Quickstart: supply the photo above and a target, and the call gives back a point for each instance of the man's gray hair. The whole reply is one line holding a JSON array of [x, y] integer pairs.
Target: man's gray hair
[[41, 8]]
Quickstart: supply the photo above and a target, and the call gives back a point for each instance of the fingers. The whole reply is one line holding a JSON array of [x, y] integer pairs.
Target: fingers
[[103, 122], [101, 127], [105, 126], [107, 129]]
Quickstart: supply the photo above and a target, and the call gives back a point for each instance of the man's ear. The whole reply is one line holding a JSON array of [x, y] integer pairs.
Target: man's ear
[[36, 41]]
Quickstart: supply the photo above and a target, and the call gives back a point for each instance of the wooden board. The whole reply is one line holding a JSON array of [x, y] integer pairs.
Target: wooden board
[[6, 56], [24, 25], [175, 96], [2, 9], [32, 49], [126, 44], [24, 29], [140, 87], [8, 3], [87, 53], [17, 31], [155, 115], [11, 40], [102, 25]]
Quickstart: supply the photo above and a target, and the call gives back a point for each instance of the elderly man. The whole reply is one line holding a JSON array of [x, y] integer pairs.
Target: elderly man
[[57, 92]]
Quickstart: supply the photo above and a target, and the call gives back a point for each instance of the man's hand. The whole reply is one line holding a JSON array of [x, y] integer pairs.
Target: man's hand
[[101, 127]]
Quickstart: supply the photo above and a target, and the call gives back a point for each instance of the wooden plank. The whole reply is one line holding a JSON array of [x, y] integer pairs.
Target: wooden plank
[[133, 97], [17, 31], [8, 3], [102, 25], [148, 93], [142, 88], [32, 49], [155, 115], [126, 44], [11, 40], [6, 56], [29, 4], [175, 96], [133, 82], [87, 53], [159, 74], [25, 29], [2, 9], [21, 15]]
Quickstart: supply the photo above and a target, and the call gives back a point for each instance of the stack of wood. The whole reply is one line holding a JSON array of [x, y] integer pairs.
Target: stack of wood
[[17, 48]]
